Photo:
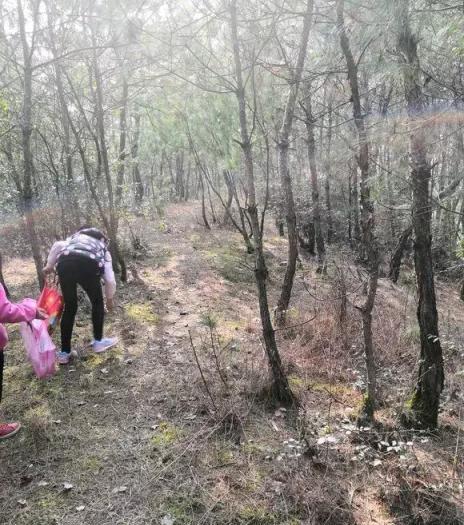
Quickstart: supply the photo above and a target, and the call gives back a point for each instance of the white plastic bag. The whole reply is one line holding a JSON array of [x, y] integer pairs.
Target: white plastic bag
[[40, 348]]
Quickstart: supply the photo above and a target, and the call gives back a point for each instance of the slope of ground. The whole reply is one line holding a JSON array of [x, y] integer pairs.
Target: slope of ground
[[172, 427]]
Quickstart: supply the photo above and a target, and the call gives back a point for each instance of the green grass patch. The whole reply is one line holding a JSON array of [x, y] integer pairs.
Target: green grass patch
[[231, 262], [166, 434], [161, 257], [411, 335], [142, 313]]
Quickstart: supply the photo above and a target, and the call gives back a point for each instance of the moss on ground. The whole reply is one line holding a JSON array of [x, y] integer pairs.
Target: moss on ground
[[231, 262], [91, 464], [411, 334], [166, 434], [142, 313]]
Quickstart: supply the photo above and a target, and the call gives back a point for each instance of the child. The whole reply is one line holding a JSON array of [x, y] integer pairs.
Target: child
[[83, 259], [13, 313]]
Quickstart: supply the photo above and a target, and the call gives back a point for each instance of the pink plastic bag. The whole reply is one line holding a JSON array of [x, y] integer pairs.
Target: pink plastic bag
[[39, 347]]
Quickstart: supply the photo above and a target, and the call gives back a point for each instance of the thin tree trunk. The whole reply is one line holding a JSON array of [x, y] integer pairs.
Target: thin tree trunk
[[213, 213], [280, 386], [397, 257], [138, 184], [27, 198], [122, 143], [350, 209], [311, 142], [426, 398], [203, 205], [230, 197], [71, 194], [391, 200], [113, 212], [356, 232], [286, 181], [179, 180], [369, 242], [328, 174]]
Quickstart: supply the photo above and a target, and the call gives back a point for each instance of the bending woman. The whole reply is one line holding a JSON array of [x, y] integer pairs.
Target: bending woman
[[83, 259]]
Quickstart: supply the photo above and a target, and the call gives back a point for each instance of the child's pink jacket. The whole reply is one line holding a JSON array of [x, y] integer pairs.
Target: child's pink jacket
[[14, 313]]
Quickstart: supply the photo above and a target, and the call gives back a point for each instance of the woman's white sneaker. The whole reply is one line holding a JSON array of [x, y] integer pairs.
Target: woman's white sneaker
[[104, 344]]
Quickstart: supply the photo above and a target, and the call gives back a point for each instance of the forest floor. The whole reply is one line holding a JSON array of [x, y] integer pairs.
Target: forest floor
[[140, 436]]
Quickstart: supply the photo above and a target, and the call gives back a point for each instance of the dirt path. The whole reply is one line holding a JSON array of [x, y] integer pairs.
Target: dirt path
[[114, 425]]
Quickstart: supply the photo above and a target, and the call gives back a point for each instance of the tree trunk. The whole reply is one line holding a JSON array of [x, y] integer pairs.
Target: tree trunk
[[179, 180], [356, 229], [113, 211], [350, 208], [307, 237], [203, 205], [426, 398], [311, 142], [230, 197], [27, 197], [286, 181], [138, 184], [213, 213], [70, 190], [122, 142], [328, 174], [281, 388], [397, 257], [369, 242]]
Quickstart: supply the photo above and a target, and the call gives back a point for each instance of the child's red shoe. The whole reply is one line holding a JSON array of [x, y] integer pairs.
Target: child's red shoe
[[9, 429]]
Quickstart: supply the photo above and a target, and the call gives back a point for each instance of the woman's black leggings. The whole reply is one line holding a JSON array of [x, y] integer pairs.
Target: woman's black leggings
[[73, 270]]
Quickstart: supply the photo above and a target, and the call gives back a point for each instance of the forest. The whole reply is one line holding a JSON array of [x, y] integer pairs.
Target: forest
[[279, 184]]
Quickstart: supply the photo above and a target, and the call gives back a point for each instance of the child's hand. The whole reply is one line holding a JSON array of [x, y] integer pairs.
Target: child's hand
[[47, 270], [41, 314], [110, 304]]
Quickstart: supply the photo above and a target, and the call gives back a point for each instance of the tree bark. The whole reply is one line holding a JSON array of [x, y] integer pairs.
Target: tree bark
[[286, 181], [328, 174], [203, 205], [112, 210], [138, 184], [230, 197], [27, 196], [368, 240], [311, 143], [280, 386], [122, 142], [426, 398], [356, 229], [70, 187], [397, 257]]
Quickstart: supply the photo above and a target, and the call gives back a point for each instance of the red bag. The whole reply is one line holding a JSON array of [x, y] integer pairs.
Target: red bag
[[52, 302]]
